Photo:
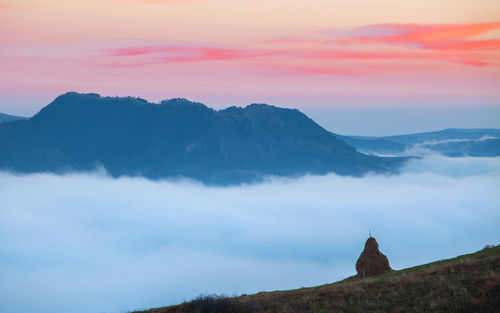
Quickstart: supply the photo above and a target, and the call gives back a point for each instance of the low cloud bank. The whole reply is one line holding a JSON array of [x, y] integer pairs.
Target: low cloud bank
[[426, 148], [89, 243]]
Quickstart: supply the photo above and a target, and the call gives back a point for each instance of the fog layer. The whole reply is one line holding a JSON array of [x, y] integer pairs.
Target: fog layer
[[90, 243]]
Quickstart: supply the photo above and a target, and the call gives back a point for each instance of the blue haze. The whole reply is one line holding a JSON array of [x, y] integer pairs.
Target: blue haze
[[405, 120]]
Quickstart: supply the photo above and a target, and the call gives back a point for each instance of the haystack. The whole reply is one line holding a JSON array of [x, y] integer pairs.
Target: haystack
[[371, 261]]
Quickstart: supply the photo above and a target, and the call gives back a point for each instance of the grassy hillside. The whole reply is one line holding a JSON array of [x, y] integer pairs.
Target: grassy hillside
[[468, 283]]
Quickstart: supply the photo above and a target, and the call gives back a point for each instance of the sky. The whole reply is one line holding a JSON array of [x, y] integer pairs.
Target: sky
[[338, 61], [89, 243], [85, 242]]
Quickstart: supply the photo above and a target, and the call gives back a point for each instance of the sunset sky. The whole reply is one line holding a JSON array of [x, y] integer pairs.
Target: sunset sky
[[320, 56], [155, 220]]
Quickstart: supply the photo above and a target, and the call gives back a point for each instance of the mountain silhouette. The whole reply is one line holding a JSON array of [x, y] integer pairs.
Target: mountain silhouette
[[9, 118], [452, 142], [177, 138]]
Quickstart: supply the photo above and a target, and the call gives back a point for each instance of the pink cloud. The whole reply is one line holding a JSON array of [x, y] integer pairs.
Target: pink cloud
[[432, 42], [148, 55], [293, 41], [467, 59], [131, 51], [424, 36], [474, 63], [178, 54], [129, 60], [465, 45]]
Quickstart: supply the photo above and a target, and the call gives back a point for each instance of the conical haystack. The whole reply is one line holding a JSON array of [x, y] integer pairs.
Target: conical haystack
[[371, 261]]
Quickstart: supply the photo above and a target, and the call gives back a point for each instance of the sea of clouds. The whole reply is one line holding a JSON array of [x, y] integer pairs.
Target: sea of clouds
[[90, 243]]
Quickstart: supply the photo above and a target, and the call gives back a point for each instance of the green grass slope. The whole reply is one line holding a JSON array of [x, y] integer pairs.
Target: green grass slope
[[468, 283]]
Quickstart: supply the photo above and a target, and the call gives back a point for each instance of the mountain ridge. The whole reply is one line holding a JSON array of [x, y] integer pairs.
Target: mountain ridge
[[451, 142], [5, 118], [178, 138]]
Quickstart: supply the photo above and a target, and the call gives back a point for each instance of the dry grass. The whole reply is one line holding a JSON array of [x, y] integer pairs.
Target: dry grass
[[469, 283]]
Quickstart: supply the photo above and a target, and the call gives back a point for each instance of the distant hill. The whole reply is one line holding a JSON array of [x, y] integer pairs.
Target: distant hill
[[476, 148], [375, 145], [177, 138], [445, 134], [10, 118], [450, 142], [469, 283]]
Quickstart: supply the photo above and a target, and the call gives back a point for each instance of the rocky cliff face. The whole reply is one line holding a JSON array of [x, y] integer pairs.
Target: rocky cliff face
[[372, 262]]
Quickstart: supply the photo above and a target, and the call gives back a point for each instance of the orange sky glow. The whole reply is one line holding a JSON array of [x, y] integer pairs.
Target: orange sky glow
[[225, 52]]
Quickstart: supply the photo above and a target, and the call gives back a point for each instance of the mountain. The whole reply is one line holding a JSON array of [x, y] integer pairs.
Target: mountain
[[469, 283], [451, 142], [445, 134], [375, 145], [9, 118], [480, 148], [177, 138]]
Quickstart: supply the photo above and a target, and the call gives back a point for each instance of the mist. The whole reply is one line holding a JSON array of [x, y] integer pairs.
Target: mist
[[91, 243]]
